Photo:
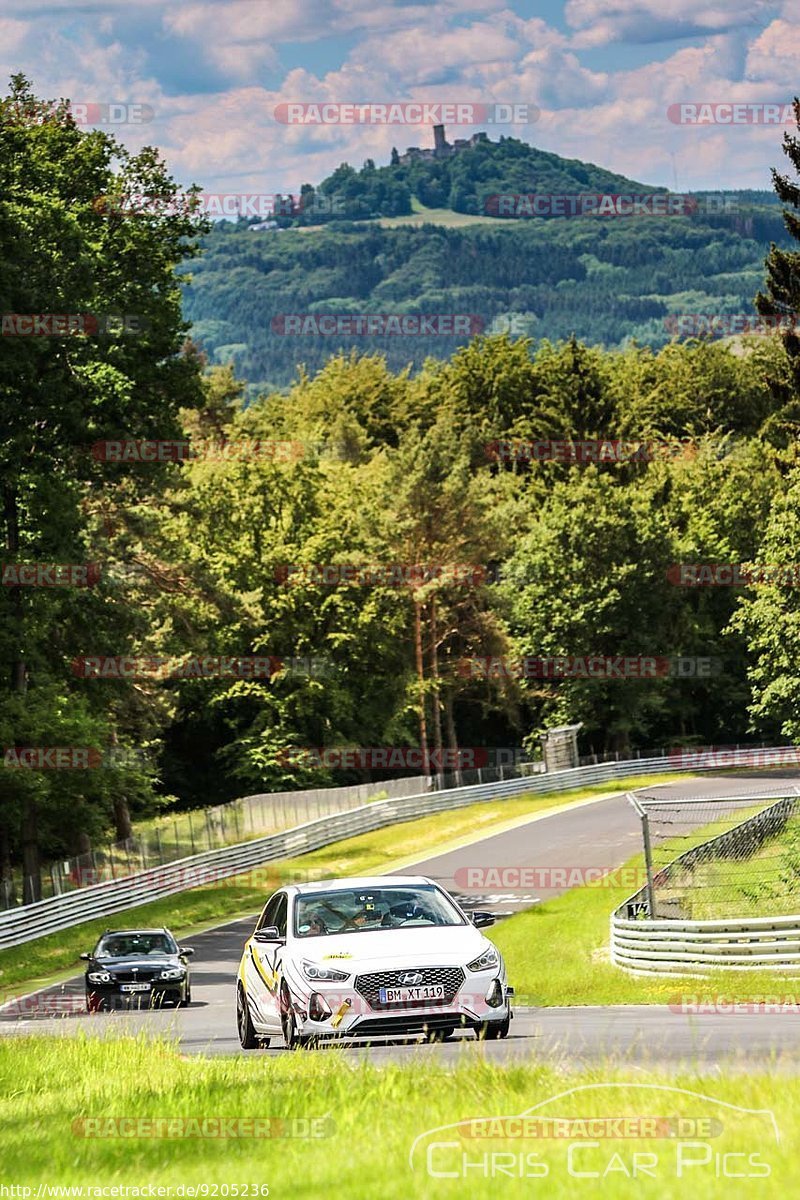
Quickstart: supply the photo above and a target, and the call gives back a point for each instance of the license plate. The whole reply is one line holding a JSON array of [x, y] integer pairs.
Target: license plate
[[135, 987], [404, 995]]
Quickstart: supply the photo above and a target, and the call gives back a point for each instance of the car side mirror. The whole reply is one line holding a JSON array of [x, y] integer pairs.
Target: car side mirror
[[85, 957], [481, 919], [186, 951], [270, 933]]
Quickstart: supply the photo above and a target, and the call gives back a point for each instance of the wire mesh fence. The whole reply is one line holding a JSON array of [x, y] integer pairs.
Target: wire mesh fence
[[717, 857], [169, 839]]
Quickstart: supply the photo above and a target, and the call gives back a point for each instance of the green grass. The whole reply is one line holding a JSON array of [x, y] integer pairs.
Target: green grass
[[372, 1116], [53, 957], [766, 883], [436, 216]]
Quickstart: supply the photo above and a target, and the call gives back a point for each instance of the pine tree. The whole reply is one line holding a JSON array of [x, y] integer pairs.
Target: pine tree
[[782, 297]]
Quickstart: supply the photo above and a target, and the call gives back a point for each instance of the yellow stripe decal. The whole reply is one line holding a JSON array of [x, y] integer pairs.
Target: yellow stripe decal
[[270, 981]]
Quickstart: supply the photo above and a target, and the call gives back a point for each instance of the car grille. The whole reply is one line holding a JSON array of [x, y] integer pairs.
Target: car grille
[[142, 976], [451, 978]]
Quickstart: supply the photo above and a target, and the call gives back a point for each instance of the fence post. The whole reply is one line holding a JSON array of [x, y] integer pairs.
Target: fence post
[[160, 849], [648, 859], [191, 832]]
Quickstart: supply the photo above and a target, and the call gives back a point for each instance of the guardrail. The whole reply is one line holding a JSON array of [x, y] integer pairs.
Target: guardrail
[[170, 839], [697, 947], [645, 945], [61, 912]]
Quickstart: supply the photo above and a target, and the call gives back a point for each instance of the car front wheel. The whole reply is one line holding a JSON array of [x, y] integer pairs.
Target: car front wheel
[[490, 1030], [244, 1024], [291, 1034]]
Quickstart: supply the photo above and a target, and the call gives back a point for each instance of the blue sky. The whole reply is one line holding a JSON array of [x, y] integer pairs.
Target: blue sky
[[602, 72]]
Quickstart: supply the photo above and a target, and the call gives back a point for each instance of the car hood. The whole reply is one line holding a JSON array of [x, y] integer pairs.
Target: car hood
[[147, 962], [382, 949]]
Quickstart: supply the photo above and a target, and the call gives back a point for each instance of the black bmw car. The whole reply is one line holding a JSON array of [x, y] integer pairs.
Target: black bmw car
[[145, 966]]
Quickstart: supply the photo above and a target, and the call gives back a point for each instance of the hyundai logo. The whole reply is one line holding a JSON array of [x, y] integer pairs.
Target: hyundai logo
[[411, 977]]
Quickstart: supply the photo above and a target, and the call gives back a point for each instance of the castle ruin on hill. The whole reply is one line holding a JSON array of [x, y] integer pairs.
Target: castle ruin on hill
[[441, 147]]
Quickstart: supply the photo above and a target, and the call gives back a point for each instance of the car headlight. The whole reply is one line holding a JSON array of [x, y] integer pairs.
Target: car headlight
[[486, 962], [100, 977], [313, 971], [172, 973]]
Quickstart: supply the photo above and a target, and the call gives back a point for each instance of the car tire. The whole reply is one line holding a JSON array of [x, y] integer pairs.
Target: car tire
[[491, 1030], [244, 1023], [291, 1038], [94, 1003], [440, 1035], [186, 999]]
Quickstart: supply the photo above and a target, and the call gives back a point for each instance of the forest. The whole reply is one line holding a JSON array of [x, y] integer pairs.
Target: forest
[[610, 281]]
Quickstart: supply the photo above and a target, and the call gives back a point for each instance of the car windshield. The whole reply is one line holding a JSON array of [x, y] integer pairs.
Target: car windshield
[[129, 945], [350, 910]]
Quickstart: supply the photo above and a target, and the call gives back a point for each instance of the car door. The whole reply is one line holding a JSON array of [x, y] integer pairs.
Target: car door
[[262, 964]]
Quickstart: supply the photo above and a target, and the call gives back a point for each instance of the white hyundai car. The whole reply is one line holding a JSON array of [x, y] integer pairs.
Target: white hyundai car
[[372, 957]]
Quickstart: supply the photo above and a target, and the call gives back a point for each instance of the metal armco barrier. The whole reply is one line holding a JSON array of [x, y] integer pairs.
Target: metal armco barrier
[[61, 912], [697, 947], [679, 946]]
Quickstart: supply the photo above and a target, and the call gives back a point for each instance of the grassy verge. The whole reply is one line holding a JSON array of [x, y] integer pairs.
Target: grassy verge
[[50, 958], [766, 883], [371, 1118]]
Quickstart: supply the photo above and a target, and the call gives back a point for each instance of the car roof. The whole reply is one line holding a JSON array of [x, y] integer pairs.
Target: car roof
[[359, 881], [129, 932]]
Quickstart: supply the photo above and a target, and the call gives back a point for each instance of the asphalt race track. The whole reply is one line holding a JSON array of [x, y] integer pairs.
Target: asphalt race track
[[603, 834]]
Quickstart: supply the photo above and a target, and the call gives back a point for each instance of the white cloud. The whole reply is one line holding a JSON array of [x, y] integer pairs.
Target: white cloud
[[599, 22], [774, 56], [417, 56], [449, 50]]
